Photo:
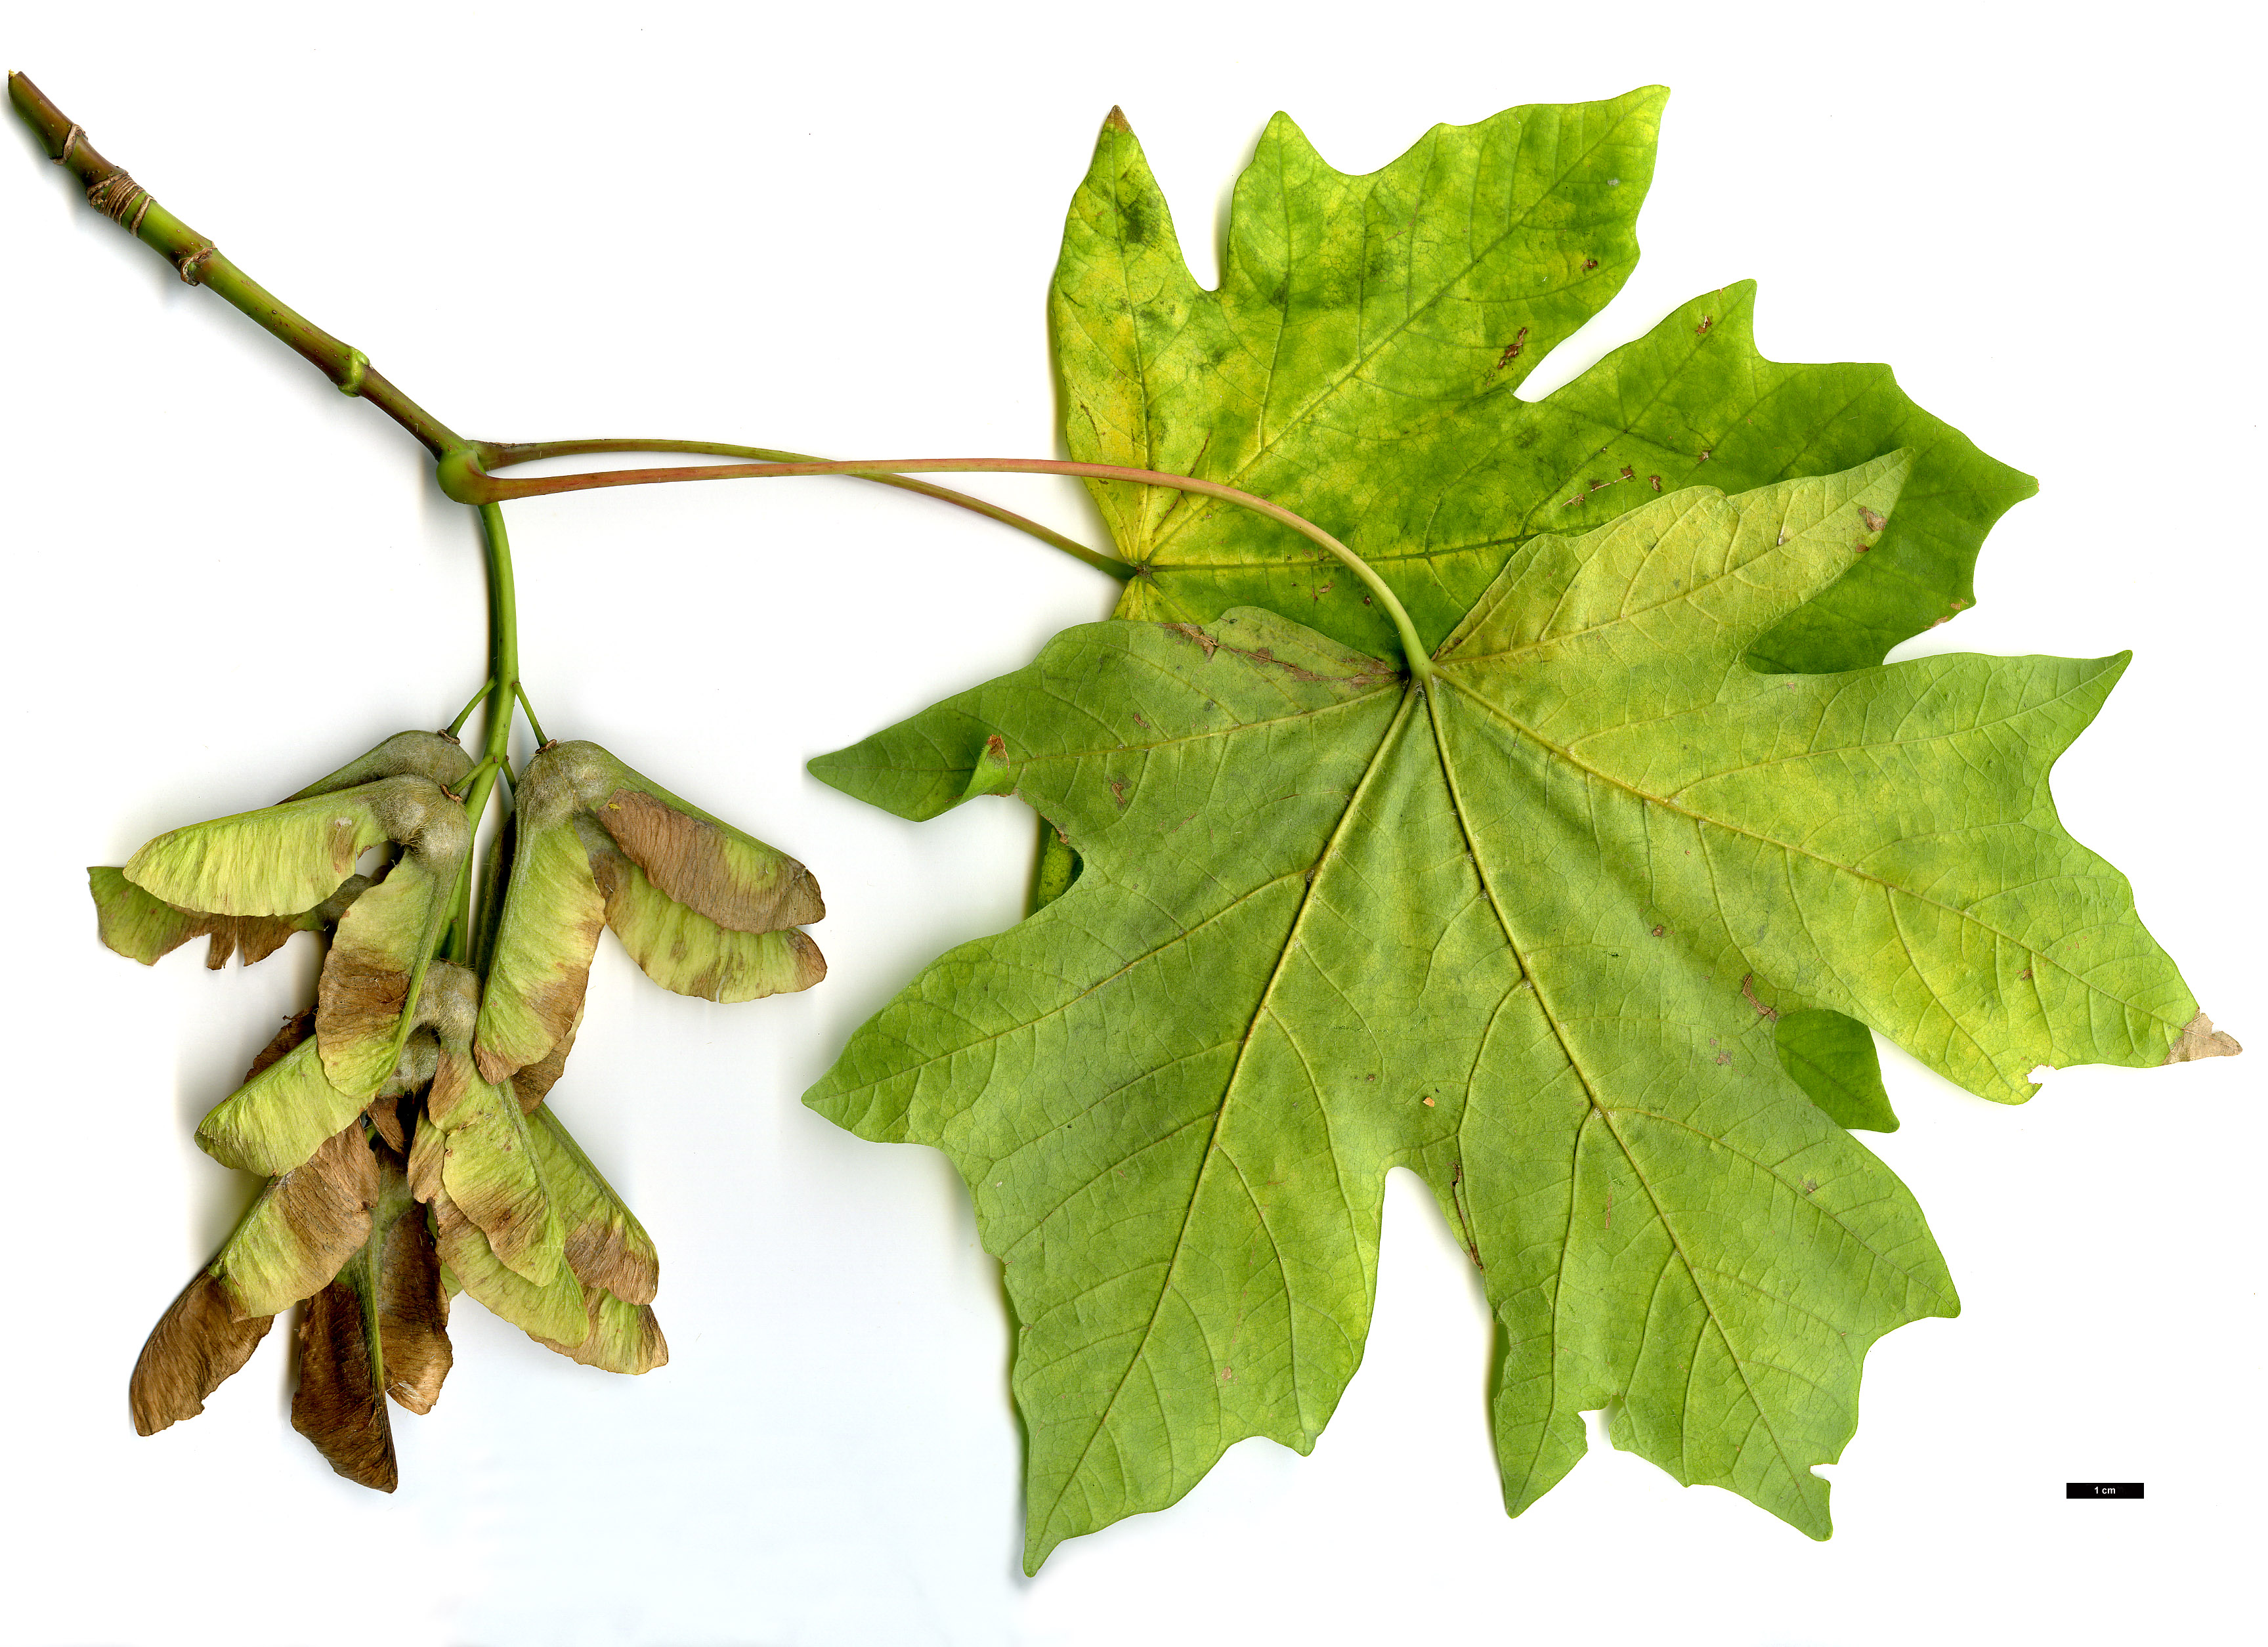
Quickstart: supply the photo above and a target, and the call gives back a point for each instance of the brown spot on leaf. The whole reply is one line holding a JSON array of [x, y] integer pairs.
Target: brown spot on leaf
[[1873, 521], [1702, 330], [1118, 792], [2199, 1039], [1704, 458], [1654, 481], [1512, 349], [1725, 1057], [1657, 931], [1810, 1186], [1194, 635], [338, 1405], [343, 852], [1590, 263], [2025, 974], [1261, 655], [1464, 1217], [1762, 1010], [191, 1352]]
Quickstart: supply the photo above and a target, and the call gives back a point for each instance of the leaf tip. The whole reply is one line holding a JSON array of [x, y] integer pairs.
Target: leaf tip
[[1654, 97], [2199, 1039]]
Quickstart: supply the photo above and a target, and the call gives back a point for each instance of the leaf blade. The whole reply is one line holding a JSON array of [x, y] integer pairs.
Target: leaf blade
[[1328, 924]]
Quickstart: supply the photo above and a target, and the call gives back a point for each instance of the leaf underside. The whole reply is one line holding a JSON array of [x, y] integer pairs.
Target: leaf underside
[[1360, 362], [1358, 365], [1530, 933]]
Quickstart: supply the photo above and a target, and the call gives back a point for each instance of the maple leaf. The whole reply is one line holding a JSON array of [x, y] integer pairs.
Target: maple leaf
[[1523, 928], [1358, 365]]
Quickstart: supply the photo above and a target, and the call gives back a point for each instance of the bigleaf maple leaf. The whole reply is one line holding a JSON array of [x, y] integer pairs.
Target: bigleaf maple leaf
[[1585, 918], [1523, 927], [1358, 365]]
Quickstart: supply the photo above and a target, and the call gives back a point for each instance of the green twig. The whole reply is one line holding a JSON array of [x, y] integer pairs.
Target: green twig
[[201, 264]]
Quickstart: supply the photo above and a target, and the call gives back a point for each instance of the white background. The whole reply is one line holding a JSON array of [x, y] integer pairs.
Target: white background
[[835, 234]]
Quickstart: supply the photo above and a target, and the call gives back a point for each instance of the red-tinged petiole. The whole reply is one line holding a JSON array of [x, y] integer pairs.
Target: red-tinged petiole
[[464, 478]]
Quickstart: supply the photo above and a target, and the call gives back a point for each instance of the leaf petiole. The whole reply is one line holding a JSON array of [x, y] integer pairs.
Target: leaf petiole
[[494, 455], [463, 478], [201, 264]]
